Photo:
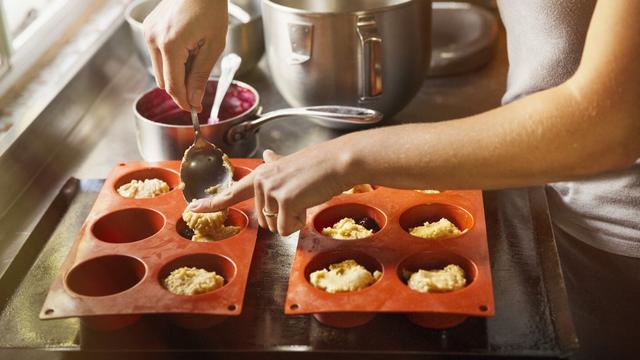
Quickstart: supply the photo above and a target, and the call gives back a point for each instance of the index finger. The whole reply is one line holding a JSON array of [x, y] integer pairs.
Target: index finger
[[237, 192], [174, 60]]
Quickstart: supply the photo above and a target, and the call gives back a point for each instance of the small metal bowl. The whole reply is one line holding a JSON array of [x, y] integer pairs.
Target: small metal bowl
[[164, 131], [244, 36]]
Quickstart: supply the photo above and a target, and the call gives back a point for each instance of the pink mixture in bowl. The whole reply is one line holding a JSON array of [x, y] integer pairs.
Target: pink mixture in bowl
[[157, 105]]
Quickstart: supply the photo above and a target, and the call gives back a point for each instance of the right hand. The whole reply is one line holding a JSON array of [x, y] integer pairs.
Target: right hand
[[289, 185], [178, 29]]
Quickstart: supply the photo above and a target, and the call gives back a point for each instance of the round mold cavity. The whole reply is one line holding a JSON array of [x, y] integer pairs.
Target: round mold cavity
[[322, 261], [331, 215], [234, 218], [430, 261], [171, 177], [417, 215], [239, 172], [110, 322], [128, 225], [105, 275], [437, 260], [210, 262]]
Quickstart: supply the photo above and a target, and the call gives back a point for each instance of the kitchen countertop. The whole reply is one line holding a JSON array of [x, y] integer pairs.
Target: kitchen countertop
[[531, 311]]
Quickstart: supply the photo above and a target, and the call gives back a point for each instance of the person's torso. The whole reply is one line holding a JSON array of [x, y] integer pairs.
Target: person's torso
[[545, 39]]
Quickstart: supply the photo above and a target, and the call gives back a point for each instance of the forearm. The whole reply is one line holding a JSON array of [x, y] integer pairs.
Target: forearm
[[549, 136], [588, 125]]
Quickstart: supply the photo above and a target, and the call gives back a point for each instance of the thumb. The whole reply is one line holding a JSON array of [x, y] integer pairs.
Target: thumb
[[270, 156], [199, 75]]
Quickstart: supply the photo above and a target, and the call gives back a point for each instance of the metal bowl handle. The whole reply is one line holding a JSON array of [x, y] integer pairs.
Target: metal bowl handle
[[333, 113], [371, 66]]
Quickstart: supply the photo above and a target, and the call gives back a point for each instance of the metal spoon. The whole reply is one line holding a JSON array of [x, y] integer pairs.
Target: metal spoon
[[205, 169]]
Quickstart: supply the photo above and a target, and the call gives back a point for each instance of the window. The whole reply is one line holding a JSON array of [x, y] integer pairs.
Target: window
[[21, 14], [29, 27]]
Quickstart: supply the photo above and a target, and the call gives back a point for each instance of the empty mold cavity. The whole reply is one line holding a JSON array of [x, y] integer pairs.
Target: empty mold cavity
[[171, 177], [331, 215], [209, 262], [239, 172], [418, 215], [435, 261], [234, 218], [105, 275], [128, 225]]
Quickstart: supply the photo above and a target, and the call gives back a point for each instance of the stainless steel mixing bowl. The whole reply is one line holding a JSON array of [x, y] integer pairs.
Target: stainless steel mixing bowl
[[370, 53], [243, 38]]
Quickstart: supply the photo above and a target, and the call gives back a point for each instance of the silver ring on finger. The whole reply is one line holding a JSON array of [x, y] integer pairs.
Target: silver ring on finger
[[268, 213]]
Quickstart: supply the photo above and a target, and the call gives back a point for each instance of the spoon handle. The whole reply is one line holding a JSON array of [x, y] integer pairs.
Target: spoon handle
[[228, 67], [195, 121]]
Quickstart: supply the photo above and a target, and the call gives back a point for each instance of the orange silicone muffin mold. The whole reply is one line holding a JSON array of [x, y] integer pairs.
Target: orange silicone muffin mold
[[114, 270], [393, 251]]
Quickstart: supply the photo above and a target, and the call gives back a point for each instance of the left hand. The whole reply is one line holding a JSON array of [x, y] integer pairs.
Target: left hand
[[287, 186]]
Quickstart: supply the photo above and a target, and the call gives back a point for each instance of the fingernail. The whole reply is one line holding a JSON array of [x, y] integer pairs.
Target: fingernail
[[196, 97], [194, 204]]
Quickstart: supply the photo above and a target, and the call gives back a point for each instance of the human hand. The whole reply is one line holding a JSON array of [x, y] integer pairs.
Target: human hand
[[177, 30], [287, 186]]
